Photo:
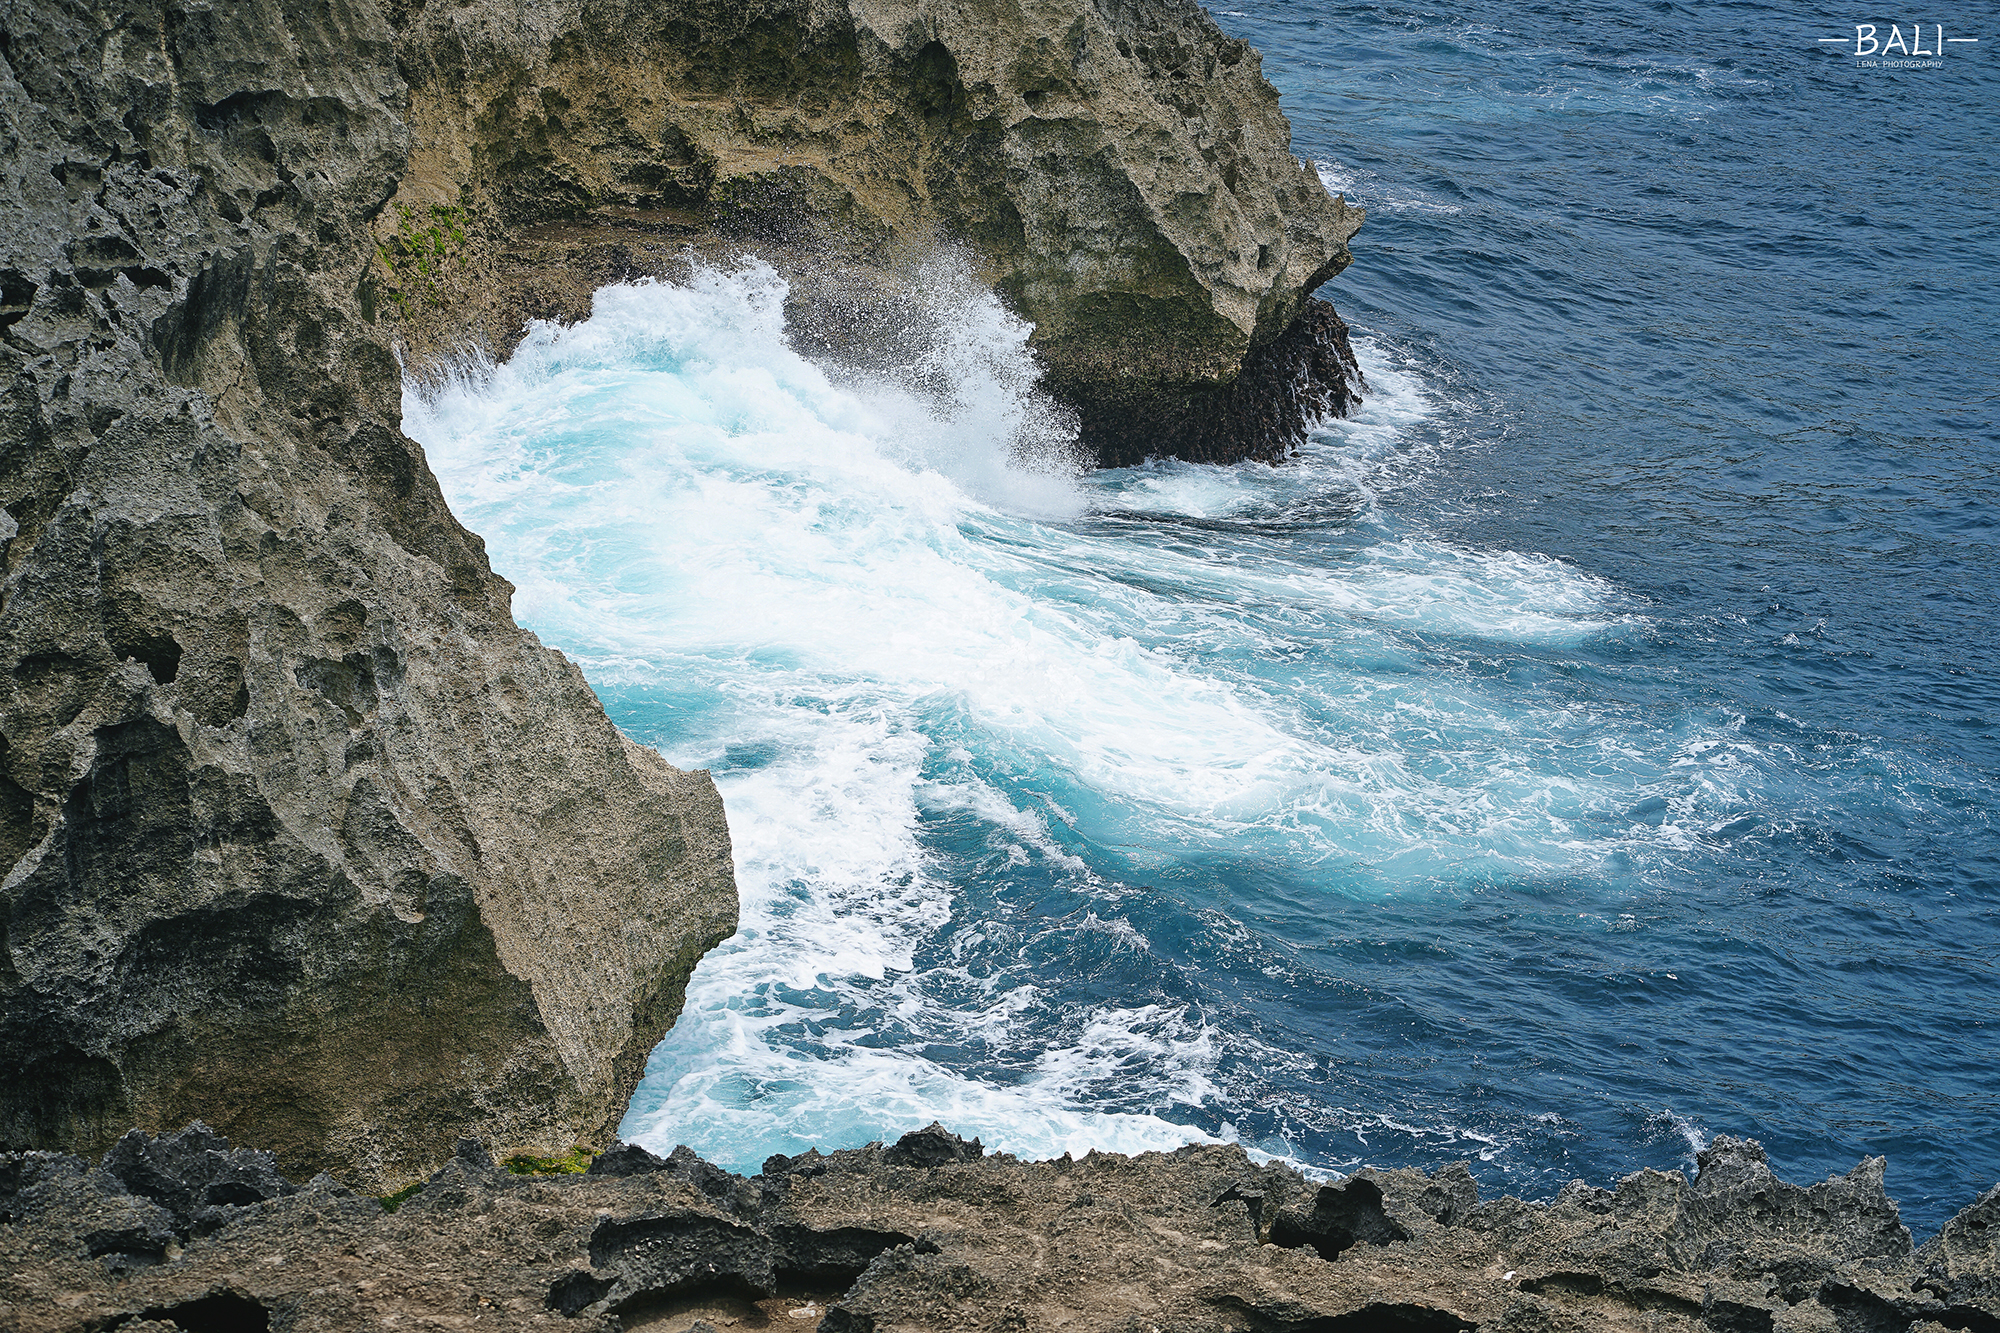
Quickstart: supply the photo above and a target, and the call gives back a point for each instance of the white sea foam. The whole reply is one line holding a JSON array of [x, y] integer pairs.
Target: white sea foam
[[1365, 189], [897, 600]]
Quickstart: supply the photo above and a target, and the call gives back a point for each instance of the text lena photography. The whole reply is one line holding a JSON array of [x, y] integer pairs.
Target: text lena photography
[[1041, 666]]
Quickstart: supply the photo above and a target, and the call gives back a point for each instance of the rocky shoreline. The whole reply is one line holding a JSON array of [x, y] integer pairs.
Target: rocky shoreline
[[306, 837], [931, 1233]]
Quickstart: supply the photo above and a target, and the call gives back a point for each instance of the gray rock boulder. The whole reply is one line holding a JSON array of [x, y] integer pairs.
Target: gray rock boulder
[[1961, 1264]]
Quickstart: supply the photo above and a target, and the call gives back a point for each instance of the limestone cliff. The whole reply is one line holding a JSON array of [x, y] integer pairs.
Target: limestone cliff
[[1119, 169], [300, 833]]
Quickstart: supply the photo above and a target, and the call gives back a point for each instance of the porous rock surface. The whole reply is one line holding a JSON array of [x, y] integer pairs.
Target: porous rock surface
[[1118, 169], [301, 834], [932, 1234]]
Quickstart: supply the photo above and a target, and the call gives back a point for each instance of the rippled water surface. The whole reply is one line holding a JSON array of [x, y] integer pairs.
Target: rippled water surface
[[1587, 749]]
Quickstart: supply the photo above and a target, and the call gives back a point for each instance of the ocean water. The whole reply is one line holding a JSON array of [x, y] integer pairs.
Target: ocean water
[[1588, 748]]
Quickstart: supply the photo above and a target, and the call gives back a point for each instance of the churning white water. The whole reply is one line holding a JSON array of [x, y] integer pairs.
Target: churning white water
[[985, 726]]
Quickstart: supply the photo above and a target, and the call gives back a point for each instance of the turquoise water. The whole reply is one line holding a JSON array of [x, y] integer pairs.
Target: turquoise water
[[1588, 748]]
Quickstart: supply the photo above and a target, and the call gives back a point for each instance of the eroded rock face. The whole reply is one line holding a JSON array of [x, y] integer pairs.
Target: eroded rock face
[[932, 1234], [1120, 169], [301, 834]]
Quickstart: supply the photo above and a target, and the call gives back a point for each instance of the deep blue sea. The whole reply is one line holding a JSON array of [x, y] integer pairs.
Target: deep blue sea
[[1591, 747]]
